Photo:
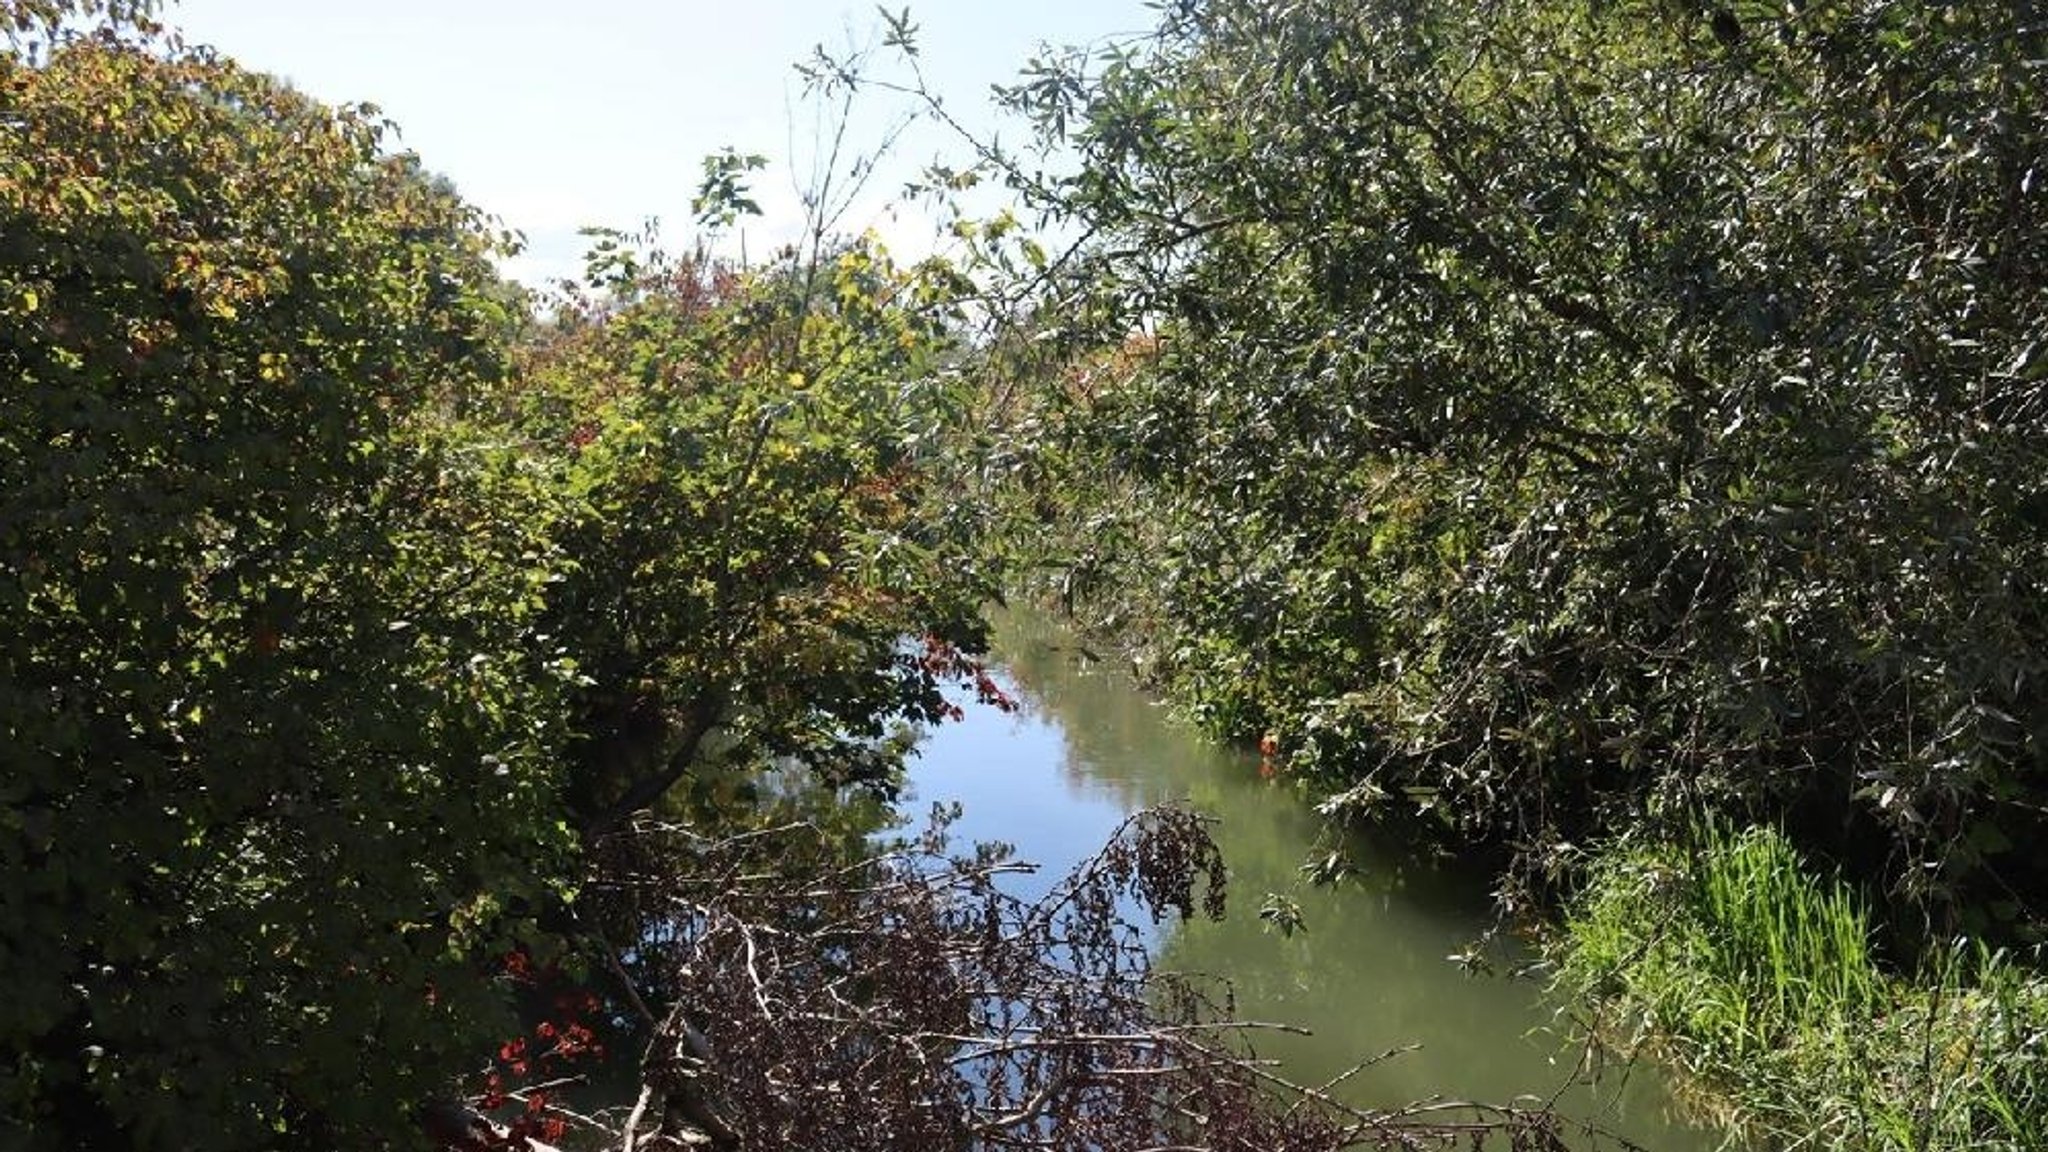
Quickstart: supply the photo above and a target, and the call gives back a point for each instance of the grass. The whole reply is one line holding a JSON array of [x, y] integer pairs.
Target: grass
[[1728, 958]]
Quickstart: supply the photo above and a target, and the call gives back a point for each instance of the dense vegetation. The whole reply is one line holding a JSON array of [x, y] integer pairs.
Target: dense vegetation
[[367, 618], [1566, 419], [273, 738], [1589, 425], [1756, 977], [1564, 413], [348, 597]]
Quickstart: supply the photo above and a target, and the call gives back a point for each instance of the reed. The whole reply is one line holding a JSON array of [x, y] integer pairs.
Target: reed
[[1729, 958]]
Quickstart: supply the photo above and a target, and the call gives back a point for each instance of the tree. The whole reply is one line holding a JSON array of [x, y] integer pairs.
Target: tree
[[745, 461], [1565, 412], [348, 598], [277, 736]]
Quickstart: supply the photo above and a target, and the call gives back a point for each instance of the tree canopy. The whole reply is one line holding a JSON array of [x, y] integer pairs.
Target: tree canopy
[[274, 740], [1556, 413]]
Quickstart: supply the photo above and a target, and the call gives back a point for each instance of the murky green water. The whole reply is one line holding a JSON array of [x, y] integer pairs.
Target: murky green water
[[1370, 973]]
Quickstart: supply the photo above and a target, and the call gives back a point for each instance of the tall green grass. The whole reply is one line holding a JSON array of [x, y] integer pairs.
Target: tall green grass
[[1727, 957]]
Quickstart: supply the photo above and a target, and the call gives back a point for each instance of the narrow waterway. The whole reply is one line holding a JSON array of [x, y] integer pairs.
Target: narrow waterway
[[1371, 972]]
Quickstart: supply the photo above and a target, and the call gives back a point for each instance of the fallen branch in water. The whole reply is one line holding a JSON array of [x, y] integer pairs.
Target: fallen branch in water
[[909, 1001]]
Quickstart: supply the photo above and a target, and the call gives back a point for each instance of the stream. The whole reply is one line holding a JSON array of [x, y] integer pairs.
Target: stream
[[1371, 971]]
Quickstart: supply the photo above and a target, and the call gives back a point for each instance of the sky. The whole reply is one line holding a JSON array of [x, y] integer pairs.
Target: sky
[[556, 114]]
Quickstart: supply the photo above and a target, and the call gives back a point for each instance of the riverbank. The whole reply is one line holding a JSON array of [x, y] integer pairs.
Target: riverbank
[[1588, 436], [1724, 960], [1729, 960]]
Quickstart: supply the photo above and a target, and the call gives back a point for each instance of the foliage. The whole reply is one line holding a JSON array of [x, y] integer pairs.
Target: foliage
[[277, 738], [345, 598], [1732, 959], [31, 26], [359, 614], [745, 472], [1557, 413]]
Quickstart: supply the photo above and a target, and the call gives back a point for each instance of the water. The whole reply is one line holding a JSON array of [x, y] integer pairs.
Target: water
[[1370, 973]]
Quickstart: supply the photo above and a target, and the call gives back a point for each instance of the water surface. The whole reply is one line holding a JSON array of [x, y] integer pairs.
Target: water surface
[[1371, 972]]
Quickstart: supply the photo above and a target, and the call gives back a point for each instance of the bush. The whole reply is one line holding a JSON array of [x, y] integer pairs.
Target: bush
[[274, 739]]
